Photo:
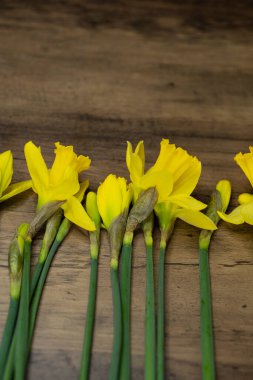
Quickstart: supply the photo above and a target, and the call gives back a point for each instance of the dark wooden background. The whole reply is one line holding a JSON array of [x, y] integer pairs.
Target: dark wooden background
[[95, 74]]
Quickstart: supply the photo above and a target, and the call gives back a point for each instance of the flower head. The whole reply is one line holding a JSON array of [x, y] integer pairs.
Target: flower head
[[244, 212], [219, 202], [60, 182], [113, 198], [175, 175], [6, 172]]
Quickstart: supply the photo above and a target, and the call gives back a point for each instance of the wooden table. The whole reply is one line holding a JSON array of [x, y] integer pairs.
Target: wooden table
[[95, 74]]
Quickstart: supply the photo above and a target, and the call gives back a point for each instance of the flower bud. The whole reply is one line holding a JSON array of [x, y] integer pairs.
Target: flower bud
[[16, 260], [52, 226], [142, 208], [92, 207], [44, 213]]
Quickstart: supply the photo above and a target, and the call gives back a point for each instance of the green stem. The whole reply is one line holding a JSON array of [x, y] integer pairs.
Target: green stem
[[117, 339], [8, 374], [23, 317], [35, 277], [150, 349], [8, 333], [89, 323], [207, 345], [160, 315], [9, 368], [62, 233], [39, 289], [125, 290]]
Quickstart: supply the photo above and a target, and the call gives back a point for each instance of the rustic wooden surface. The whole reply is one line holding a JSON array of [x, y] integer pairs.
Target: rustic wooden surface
[[95, 74]]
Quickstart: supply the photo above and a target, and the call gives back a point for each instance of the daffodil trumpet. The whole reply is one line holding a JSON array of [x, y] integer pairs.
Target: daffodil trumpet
[[92, 210], [15, 270], [113, 199], [140, 212], [219, 202]]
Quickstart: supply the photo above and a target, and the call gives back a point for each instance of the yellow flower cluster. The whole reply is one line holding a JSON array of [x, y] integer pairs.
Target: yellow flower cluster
[[175, 175]]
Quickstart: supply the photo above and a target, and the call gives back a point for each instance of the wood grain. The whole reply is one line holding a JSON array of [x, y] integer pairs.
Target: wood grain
[[95, 74]]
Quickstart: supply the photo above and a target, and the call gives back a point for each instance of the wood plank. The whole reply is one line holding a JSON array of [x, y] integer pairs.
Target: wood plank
[[95, 74]]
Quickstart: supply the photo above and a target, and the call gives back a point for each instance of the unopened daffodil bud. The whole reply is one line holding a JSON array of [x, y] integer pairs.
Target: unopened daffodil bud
[[140, 212], [16, 260], [92, 207], [63, 230], [52, 226], [41, 217], [113, 199]]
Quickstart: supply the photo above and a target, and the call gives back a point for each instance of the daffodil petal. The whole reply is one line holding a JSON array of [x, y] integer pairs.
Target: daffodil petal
[[186, 201], [109, 199], [245, 161], [6, 168], [15, 189], [135, 160], [68, 186], [196, 218], [162, 181], [188, 180], [92, 207], [224, 188], [245, 198], [37, 167], [164, 158], [83, 187], [247, 213], [126, 193], [234, 217], [74, 211], [65, 157], [83, 163]]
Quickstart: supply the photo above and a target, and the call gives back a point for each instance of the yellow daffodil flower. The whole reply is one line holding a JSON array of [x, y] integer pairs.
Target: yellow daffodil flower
[[6, 172], [60, 183], [244, 212], [113, 198], [175, 175]]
